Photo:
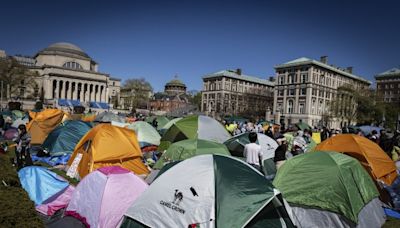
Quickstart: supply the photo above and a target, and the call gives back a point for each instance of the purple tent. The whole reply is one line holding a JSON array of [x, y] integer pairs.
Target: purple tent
[[10, 134], [103, 196]]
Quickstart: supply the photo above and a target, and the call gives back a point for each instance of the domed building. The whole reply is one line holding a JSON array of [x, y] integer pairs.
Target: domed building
[[70, 77], [175, 87], [173, 98]]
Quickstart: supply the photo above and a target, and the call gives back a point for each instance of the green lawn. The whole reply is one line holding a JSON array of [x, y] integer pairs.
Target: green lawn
[[16, 209]]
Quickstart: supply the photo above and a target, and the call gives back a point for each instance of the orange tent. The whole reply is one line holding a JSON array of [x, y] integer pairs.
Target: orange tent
[[43, 123], [89, 117], [106, 145], [370, 155]]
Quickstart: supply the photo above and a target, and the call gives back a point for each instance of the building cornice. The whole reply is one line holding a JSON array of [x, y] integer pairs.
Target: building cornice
[[70, 69], [314, 62]]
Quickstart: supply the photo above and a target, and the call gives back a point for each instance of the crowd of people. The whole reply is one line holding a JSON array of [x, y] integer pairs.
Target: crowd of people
[[294, 141]]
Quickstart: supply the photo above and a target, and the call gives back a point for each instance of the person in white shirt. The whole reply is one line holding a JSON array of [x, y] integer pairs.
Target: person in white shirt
[[252, 152]]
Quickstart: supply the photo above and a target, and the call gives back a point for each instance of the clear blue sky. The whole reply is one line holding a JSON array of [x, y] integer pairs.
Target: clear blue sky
[[158, 39]]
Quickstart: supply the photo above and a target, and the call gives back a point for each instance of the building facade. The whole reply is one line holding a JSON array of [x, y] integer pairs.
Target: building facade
[[388, 86], [173, 98], [305, 87], [66, 72], [229, 92]]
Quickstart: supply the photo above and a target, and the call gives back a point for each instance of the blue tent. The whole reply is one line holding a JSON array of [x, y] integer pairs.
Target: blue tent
[[41, 184], [368, 129], [63, 139]]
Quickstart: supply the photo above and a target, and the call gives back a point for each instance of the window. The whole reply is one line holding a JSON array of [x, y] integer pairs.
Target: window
[[279, 107], [290, 106], [301, 108], [313, 107], [290, 92], [72, 65], [280, 92], [303, 91], [303, 78], [281, 80]]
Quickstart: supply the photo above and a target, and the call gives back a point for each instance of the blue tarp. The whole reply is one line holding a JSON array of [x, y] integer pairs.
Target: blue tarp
[[100, 105], [40, 183], [52, 160], [63, 139], [368, 129], [69, 103]]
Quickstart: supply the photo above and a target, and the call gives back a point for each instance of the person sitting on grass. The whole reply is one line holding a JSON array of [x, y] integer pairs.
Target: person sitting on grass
[[252, 152]]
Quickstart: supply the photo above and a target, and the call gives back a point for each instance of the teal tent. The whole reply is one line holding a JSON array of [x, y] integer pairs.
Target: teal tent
[[63, 139]]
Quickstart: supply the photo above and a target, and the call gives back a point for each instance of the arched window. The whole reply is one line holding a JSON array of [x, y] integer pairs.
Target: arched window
[[72, 65], [290, 106]]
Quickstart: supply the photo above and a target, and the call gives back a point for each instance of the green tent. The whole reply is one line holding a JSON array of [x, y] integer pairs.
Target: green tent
[[146, 134], [63, 139], [188, 148], [327, 181], [168, 125], [18, 114], [161, 121], [209, 191], [192, 127], [302, 126]]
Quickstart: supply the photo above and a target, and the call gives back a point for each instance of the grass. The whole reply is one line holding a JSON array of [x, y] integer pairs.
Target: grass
[[16, 209]]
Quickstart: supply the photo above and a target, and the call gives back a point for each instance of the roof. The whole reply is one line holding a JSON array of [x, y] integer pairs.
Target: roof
[[64, 48], [175, 82], [392, 72], [304, 60], [234, 75], [115, 79]]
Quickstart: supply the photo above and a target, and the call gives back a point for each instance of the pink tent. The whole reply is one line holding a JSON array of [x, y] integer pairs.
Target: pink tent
[[61, 201], [103, 196]]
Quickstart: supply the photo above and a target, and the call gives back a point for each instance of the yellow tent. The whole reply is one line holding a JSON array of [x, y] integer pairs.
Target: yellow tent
[[107, 145], [43, 123], [370, 155]]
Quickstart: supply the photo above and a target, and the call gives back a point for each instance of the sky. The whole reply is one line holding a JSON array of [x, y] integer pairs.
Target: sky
[[160, 39]]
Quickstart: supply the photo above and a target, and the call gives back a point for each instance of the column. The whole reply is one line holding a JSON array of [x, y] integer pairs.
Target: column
[[82, 95], [69, 90], [46, 88], [57, 89], [92, 92], [101, 93], [87, 91], [75, 91], [63, 90], [97, 93]]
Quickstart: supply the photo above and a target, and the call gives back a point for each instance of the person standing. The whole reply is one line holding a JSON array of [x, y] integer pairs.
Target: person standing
[[22, 151], [252, 152]]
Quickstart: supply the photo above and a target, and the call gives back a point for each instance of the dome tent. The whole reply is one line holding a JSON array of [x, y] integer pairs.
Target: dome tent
[[103, 196], [43, 123], [147, 135], [204, 191], [166, 126], [192, 127], [189, 148], [107, 117], [368, 153], [63, 139], [329, 189], [236, 145], [40, 183], [106, 145]]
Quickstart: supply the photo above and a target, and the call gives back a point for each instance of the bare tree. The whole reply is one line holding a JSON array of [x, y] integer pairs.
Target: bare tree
[[139, 91], [16, 78]]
